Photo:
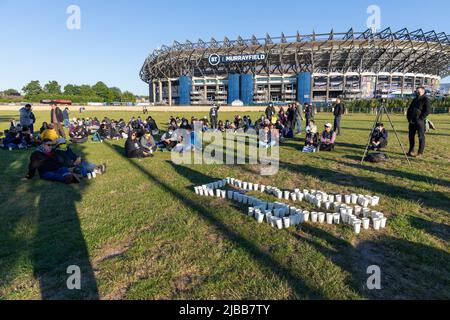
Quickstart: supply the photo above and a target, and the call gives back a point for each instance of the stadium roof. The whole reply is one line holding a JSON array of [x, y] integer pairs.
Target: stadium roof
[[384, 51]]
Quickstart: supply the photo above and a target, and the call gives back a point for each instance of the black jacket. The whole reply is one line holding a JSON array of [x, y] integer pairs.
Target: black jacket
[[419, 109], [133, 149], [43, 163], [59, 115], [339, 110]]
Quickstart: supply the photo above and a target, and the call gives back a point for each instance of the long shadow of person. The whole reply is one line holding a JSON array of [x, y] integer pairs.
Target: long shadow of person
[[301, 289], [55, 239]]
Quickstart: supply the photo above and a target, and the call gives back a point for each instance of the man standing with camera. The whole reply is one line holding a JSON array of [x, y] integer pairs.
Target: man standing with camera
[[214, 116], [417, 113], [338, 112]]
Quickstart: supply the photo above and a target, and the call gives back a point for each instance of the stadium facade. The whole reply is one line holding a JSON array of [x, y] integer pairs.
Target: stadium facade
[[304, 68]]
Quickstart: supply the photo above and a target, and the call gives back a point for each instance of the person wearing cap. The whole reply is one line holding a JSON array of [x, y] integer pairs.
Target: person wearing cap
[[213, 116], [339, 110], [328, 138], [44, 161], [27, 118], [379, 139], [417, 112]]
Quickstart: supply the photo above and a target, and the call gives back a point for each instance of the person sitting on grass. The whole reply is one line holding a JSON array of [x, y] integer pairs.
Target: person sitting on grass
[[311, 140], [69, 159], [133, 149], [169, 140], [28, 139], [328, 138], [79, 134], [379, 139], [49, 133], [13, 139], [265, 138], [146, 140], [44, 160]]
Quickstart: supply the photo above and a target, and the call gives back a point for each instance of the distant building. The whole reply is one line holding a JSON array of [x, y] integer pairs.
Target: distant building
[[304, 68]]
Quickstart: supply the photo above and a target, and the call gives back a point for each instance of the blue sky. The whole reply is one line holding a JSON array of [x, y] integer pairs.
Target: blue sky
[[116, 36]]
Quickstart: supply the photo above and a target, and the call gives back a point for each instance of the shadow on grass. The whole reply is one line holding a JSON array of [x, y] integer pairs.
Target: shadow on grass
[[432, 199], [264, 259], [438, 230], [405, 265], [394, 173], [56, 241]]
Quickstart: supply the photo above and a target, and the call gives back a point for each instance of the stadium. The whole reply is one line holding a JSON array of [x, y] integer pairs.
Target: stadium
[[314, 68]]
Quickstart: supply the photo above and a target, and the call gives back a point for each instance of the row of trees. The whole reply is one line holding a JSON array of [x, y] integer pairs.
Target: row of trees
[[99, 92]]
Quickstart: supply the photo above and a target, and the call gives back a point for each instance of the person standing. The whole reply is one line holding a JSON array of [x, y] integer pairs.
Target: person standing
[[338, 112], [308, 113], [57, 118], [27, 118], [299, 116], [214, 115], [417, 113], [270, 111], [66, 117]]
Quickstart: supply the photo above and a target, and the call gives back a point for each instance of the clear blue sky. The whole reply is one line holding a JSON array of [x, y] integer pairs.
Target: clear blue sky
[[116, 36]]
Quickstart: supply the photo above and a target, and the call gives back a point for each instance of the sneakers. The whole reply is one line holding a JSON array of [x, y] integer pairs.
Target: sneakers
[[411, 154]]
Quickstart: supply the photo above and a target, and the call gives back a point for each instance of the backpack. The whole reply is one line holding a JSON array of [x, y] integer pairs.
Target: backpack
[[376, 157]]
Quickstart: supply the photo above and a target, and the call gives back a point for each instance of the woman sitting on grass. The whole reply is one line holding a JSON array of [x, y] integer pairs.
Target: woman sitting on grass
[[44, 160], [49, 133], [134, 149], [327, 138]]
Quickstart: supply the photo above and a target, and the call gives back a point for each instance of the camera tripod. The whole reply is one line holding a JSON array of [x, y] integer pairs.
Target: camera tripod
[[380, 110]]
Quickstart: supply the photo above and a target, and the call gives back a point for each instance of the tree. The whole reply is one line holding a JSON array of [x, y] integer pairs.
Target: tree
[[116, 94], [72, 89], [52, 87], [87, 91], [11, 93], [33, 88], [127, 96], [102, 91]]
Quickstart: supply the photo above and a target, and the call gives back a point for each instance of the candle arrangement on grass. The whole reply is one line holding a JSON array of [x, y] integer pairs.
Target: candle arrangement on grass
[[349, 209]]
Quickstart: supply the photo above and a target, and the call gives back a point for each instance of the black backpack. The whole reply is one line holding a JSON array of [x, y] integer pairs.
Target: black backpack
[[376, 157]]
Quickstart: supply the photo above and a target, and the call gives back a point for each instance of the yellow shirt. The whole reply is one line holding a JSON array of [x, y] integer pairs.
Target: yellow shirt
[[49, 134]]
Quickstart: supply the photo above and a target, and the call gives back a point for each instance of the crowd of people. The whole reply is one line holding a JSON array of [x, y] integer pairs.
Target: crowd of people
[[55, 160]]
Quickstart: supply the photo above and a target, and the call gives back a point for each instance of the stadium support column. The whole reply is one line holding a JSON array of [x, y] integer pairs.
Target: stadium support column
[[246, 90], [169, 87], [233, 87], [154, 91], [151, 96], [304, 87], [160, 91], [185, 90]]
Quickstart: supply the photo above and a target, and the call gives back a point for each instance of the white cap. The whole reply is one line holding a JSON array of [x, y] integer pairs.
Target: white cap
[[328, 125]]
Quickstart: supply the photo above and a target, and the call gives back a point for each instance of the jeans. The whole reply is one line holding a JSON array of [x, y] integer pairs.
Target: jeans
[[418, 128], [337, 125], [66, 123], [58, 175], [85, 168], [299, 125]]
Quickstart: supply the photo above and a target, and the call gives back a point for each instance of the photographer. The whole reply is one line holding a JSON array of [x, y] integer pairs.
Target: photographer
[[417, 113], [339, 110], [379, 139]]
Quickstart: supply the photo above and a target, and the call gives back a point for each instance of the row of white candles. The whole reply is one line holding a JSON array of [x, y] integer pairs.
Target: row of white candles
[[281, 216]]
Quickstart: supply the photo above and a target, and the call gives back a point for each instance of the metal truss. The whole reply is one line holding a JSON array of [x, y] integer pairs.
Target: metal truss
[[384, 51]]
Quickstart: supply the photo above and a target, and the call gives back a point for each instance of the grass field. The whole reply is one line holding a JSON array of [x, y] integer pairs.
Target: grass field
[[140, 232]]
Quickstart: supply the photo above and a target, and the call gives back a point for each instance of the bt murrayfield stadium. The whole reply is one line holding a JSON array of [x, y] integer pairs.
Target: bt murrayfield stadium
[[305, 68]]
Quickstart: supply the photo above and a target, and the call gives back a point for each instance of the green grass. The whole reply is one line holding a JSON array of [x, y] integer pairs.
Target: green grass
[[140, 232]]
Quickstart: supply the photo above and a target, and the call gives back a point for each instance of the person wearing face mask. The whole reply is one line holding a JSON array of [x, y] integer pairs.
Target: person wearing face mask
[[169, 140], [417, 113], [44, 160]]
